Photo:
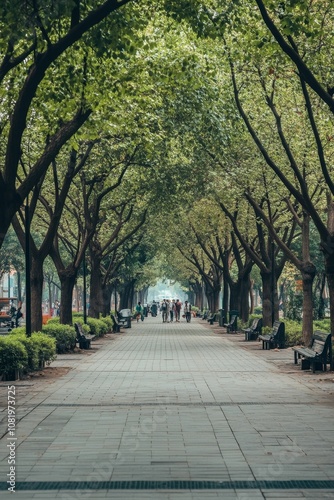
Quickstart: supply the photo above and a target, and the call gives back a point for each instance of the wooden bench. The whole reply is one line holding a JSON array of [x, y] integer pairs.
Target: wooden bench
[[116, 327], [276, 338], [318, 355], [254, 330], [231, 327], [84, 339], [124, 317], [212, 318]]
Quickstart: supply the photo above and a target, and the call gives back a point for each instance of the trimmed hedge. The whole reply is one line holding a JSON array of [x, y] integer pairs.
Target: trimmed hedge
[[80, 321], [293, 332], [47, 347], [13, 355], [40, 348], [64, 334], [108, 321], [54, 320], [97, 327]]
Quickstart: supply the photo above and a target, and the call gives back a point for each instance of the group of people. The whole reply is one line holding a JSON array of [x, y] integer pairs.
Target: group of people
[[171, 309]]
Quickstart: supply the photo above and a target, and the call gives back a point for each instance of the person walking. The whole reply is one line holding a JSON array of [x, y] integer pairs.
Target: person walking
[[187, 311], [154, 309], [168, 311], [178, 306], [172, 311], [139, 312], [163, 309]]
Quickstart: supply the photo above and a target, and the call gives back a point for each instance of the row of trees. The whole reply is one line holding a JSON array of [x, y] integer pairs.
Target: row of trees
[[201, 134]]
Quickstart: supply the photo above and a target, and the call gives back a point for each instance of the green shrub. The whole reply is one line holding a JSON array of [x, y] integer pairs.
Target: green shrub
[[32, 350], [18, 331], [46, 347], [322, 324], [108, 321], [64, 335], [80, 321], [293, 332], [242, 325], [254, 316], [54, 320], [77, 314], [97, 327], [266, 330], [13, 355]]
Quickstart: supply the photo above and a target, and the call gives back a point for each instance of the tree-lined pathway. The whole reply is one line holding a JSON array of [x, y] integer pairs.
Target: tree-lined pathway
[[172, 411]]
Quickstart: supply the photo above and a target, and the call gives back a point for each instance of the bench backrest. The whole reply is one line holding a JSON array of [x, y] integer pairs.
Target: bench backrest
[[256, 325], [259, 325], [125, 313], [233, 319], [115, 320], [253, 325], [278, 331], [78, 329], [321, 342]]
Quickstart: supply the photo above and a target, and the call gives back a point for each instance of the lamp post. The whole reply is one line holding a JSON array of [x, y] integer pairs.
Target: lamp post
[[28, 267]]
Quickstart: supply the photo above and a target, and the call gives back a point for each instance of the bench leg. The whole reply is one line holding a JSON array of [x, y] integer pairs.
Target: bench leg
[[296, 358]]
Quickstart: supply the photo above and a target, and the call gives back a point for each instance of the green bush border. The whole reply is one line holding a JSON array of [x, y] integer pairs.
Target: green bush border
[[64, 334], [13, 355]]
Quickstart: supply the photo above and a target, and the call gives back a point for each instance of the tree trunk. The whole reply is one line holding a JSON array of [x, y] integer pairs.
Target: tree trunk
[[36, 294], [328, 248], [198, 291], [308, 274], [215, 298], [107, 291], [320, 311], [67, 281], [251, 297], [267, 299], [126, 295], [234, 295], [329, 267], [245, 286], [191, 296], [212, 295], [96, 298], [225, 295]]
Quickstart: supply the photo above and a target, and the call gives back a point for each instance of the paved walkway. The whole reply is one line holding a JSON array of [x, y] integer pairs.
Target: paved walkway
[[173, 411]]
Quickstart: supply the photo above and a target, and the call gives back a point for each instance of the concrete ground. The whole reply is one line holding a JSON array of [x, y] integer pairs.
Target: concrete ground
[[171, 411]]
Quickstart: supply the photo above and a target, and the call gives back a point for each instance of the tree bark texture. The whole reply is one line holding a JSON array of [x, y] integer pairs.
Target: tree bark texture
[[67, 281], [36, 282]]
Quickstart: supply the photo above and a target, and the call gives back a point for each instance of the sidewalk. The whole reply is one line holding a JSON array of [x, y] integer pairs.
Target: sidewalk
[[173, 411]]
